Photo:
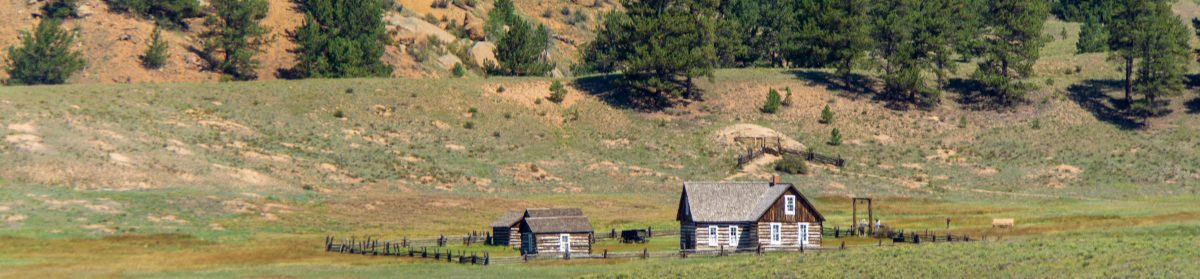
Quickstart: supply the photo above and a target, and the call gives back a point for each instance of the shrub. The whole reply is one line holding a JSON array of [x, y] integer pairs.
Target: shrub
[[557, 92], [826, 115], [60, 9], [791, 164], [469, 125], [773, 102], [1036, 125], [169, 13], [501, 89], [835, 137], [459, 71], [519, 51], [339, 114], [787, 99], [44, 57], [156, 55]]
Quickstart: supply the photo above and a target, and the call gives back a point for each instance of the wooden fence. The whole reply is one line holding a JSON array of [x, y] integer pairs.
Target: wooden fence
[[812, 156], [374, 247]]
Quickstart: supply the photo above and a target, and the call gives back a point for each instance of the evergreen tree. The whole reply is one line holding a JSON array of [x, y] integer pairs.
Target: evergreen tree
[[835, 137], [168, 13], [44, 57], [659, 45], [60, 9], [235, 37], [830, 33], [519, 51], [773, 102], [1012, 40], [1164, 56], [501, 17], [1092, 36], [1126, 31], [156, 55], [341, 38], [826, 115]]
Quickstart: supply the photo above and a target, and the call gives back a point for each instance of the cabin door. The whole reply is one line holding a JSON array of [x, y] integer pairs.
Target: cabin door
[[528, 246], [803, 232], [564, 243]]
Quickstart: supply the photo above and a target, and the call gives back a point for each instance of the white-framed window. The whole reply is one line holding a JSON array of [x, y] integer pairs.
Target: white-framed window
[[712, 236], [776, 234], [564, 243], [733, 236], [803, 232], [789, 205]]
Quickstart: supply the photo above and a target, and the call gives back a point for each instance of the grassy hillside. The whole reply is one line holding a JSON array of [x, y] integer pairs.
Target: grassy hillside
[[243, 179]]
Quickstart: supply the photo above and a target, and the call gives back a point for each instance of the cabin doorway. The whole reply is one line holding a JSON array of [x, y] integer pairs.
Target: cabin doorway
[[564, 243], [527, 244]]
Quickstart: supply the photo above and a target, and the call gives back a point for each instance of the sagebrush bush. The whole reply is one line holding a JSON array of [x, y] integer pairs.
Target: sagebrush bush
[[459, 70], [792, 165]]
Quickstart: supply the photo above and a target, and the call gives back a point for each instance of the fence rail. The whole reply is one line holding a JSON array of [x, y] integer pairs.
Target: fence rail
[[813, 156]]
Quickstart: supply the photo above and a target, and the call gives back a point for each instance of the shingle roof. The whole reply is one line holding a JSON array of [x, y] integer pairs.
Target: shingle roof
[[508, 219], [569, 224], [553, 212], [733, 201]]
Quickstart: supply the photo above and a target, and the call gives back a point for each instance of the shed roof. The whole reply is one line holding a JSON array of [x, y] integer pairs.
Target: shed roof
[[553, 212], [735, 201], [568, 224], [508, 219]]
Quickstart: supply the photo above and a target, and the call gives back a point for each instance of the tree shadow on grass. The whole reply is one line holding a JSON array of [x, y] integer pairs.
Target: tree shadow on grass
[[1193, 106], [974, 95], [1090, 94], [617, 92], [859, 86]]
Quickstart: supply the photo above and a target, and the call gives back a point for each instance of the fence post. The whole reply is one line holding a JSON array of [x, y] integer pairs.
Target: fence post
[[722, 252], [613, 234], [801, 248], [843, 247], [649, 232], [645, 253], [487, 258], [759, 249]]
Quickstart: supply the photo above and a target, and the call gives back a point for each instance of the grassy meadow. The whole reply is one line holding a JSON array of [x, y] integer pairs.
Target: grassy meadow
[[245, 179]]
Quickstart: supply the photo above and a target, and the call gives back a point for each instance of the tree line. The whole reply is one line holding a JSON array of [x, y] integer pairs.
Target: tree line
[[912, 46]]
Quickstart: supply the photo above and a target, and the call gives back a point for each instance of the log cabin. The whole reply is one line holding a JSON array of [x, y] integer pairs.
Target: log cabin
[[734, 216], [556, 235], [506, 230]]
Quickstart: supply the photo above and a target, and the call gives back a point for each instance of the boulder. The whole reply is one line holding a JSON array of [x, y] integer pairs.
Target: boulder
[[448, 61], [412, 28], [482, 52]]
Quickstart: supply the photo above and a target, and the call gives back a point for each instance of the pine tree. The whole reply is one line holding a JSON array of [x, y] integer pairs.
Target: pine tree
[[341, 38], [1092, 36], [500, 18], [156, 54], [773, 102], [1125, 33], [519, 51], [44, 56], [835, 137], [826, 115], [235, 36], [1012, 42], [168, 13], [660, 46], [847, 35], [1164, 57]]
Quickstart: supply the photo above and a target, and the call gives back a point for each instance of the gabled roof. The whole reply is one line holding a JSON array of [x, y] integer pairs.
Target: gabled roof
[[508, 219], [553, 212], [569, 224], [735, 201]]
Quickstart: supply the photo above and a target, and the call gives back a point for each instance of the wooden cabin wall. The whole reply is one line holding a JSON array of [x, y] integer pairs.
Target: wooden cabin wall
[[547, 243], [747, 237], [789, 235], [776, 212], [502, 236]]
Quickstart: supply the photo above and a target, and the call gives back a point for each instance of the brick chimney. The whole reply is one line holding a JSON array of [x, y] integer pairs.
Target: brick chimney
[[774, 180]]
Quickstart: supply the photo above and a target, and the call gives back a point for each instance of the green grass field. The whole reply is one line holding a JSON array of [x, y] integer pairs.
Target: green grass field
[[245, 179]]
